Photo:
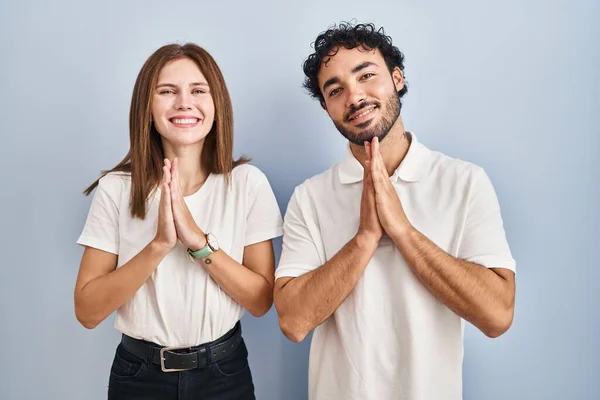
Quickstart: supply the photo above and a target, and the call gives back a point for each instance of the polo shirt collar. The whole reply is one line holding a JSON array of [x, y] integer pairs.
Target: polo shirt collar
[[413, 167]]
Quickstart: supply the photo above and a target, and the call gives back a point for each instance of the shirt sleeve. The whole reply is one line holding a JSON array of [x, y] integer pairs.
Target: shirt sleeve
[[300, 252], [101, 229], [264, 220], [483, 239]]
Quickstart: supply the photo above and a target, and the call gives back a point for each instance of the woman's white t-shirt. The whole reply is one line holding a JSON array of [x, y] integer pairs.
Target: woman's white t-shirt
[[180, 304]]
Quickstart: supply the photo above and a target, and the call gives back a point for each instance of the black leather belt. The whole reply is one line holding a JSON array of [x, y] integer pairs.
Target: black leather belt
[[171, 359]]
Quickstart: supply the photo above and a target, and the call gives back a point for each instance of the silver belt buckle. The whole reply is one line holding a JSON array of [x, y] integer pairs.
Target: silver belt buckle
[[162, 359]]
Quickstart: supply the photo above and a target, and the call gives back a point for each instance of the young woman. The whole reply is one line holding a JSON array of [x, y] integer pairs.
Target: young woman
[[178, 239]]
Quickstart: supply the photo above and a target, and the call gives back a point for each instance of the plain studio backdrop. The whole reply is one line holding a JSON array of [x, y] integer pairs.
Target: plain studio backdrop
[[512, 86]]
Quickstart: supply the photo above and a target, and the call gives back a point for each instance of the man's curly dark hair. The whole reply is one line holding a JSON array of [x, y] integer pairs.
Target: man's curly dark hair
[[350, 36]]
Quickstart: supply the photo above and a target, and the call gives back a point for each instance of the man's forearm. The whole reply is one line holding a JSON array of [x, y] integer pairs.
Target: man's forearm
[[477, 294], [305, 302]]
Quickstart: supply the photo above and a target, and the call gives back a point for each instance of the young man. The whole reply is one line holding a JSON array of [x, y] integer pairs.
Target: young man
[[387, 252]]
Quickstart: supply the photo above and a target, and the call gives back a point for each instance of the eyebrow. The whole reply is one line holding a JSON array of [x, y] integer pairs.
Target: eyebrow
[[358, 68], [362, 66], [174, 86], [329, 82]]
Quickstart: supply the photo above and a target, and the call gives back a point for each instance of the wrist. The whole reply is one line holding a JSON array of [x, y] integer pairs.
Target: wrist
[[199, 243], [366, 241], [401, 233], [158, 248]]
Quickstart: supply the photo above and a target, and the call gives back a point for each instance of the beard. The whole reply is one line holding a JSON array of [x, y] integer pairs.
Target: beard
[[367, 130]]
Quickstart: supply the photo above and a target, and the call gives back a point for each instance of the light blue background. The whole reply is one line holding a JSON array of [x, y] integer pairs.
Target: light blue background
[[512, 86]]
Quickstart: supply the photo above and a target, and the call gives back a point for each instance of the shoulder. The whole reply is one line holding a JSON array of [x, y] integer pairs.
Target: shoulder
[[115, 179], [317, 186], [453, 170], [248, 178], [115, 184], [247, 174]]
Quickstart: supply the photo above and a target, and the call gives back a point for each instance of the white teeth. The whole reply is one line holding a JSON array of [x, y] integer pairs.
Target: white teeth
[[186, 121], [363, 113]]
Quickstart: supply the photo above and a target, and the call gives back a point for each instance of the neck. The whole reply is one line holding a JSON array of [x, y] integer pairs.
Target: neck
[[393, 148], [192, 173]]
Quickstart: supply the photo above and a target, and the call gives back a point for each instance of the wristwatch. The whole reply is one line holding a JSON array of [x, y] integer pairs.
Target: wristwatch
[[212, 245]]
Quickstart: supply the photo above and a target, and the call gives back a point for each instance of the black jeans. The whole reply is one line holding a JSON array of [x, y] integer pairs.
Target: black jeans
[[133, 379]]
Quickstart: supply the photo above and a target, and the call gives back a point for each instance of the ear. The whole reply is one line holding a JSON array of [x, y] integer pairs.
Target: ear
[[398, 78]]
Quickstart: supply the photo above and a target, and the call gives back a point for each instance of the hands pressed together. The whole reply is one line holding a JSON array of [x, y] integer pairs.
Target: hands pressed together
[[174, 218], [381, 209]]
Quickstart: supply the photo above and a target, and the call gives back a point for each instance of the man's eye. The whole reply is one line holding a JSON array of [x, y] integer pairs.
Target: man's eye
[[334, 92]]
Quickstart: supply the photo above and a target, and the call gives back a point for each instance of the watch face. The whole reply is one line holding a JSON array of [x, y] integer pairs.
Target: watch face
[[212, 242]]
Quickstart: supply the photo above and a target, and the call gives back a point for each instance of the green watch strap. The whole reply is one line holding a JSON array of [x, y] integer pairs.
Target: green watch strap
[[203, 252]]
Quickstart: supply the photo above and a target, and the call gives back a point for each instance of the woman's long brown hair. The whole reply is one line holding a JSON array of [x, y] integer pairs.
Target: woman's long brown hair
[[144, 161]]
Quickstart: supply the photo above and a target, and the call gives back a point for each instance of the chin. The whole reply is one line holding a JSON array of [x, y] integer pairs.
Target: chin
[[361, 137], [185, 139]]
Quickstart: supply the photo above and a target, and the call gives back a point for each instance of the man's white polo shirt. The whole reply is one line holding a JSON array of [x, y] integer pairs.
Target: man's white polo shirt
[[391, 338]]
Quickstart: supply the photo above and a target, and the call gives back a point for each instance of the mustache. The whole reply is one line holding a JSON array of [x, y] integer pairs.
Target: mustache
[[354, 109]]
